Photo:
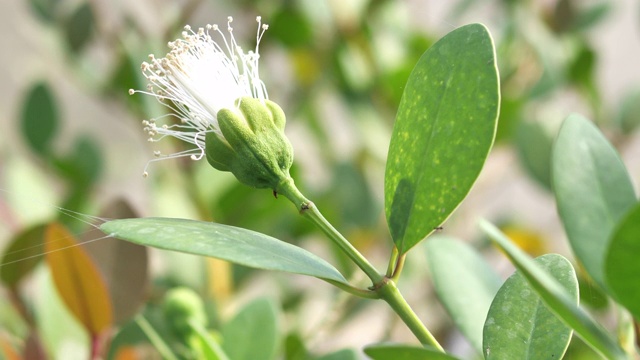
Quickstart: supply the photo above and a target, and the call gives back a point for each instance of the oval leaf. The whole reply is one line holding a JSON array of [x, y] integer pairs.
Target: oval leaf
[[252, 333], [79, 27], [405, 352], [39, 118], [556, 297], [240, 246], [621, 262], [77, 280], [465, 284], [520, 326], [592, 189], [443, 132]]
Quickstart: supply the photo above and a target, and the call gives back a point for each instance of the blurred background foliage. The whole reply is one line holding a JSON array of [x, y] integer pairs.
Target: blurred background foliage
[[71, 139]]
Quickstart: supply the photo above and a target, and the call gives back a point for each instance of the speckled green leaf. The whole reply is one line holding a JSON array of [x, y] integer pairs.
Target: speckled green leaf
[[465, 284], [520, 326], [622, 268], [593, 191], [233, 244], [444, 130], [556, 297], [405, 352]]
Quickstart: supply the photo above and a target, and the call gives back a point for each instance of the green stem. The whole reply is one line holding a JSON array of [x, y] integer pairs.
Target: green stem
[[392, 262], [309, 210], [155, 338], [367, 294], [212, 349], [390, 293], [399, 266]]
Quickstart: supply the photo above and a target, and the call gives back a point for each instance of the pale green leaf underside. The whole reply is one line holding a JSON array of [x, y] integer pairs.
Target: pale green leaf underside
[[520, 326], [593, 190], [233, 244], [556, 297], [444, 129], [465, 284]]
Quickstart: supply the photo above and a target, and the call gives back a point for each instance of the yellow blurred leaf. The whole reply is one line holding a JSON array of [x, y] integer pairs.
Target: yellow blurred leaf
[[78, 280], [526, 239]]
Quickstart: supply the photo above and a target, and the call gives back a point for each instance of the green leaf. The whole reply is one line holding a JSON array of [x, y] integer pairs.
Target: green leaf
[[534, 140], [405, 352], [344, 354], [465, 284], [79, 27], [592, 189], [252, 333], [622, 267], [22, 255], [444, 130], [556, 297], [39, 122], [83, 165], [46, 10], [240, 246], [520, 326]]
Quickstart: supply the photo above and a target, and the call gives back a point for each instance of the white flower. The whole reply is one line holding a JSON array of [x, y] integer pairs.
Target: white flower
[[198, 78]]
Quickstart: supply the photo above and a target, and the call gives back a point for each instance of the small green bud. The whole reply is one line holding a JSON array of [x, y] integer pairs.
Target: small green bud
[[253, 145], [182, 306]]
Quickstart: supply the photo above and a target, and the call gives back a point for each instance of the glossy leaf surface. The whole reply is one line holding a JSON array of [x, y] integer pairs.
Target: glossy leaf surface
[[520, 326], [556, 297], [444, 129], [240, 246]]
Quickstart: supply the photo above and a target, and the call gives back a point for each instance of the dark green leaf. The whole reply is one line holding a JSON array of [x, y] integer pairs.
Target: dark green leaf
[[592, 189], [84, 165], [253, 333], [622, 268], [39, 121], [405, 352], [291, 28], [556, 297], [46, 10], [22, 255], [520, 326], [225, 242], [465, 284], [79, 27], [444, 129]]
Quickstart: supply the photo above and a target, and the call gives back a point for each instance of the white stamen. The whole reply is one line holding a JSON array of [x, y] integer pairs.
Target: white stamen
[[199, 77]]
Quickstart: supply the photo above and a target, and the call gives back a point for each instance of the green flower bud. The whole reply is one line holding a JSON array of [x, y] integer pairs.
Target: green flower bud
[[183, 306], [252, 145]]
